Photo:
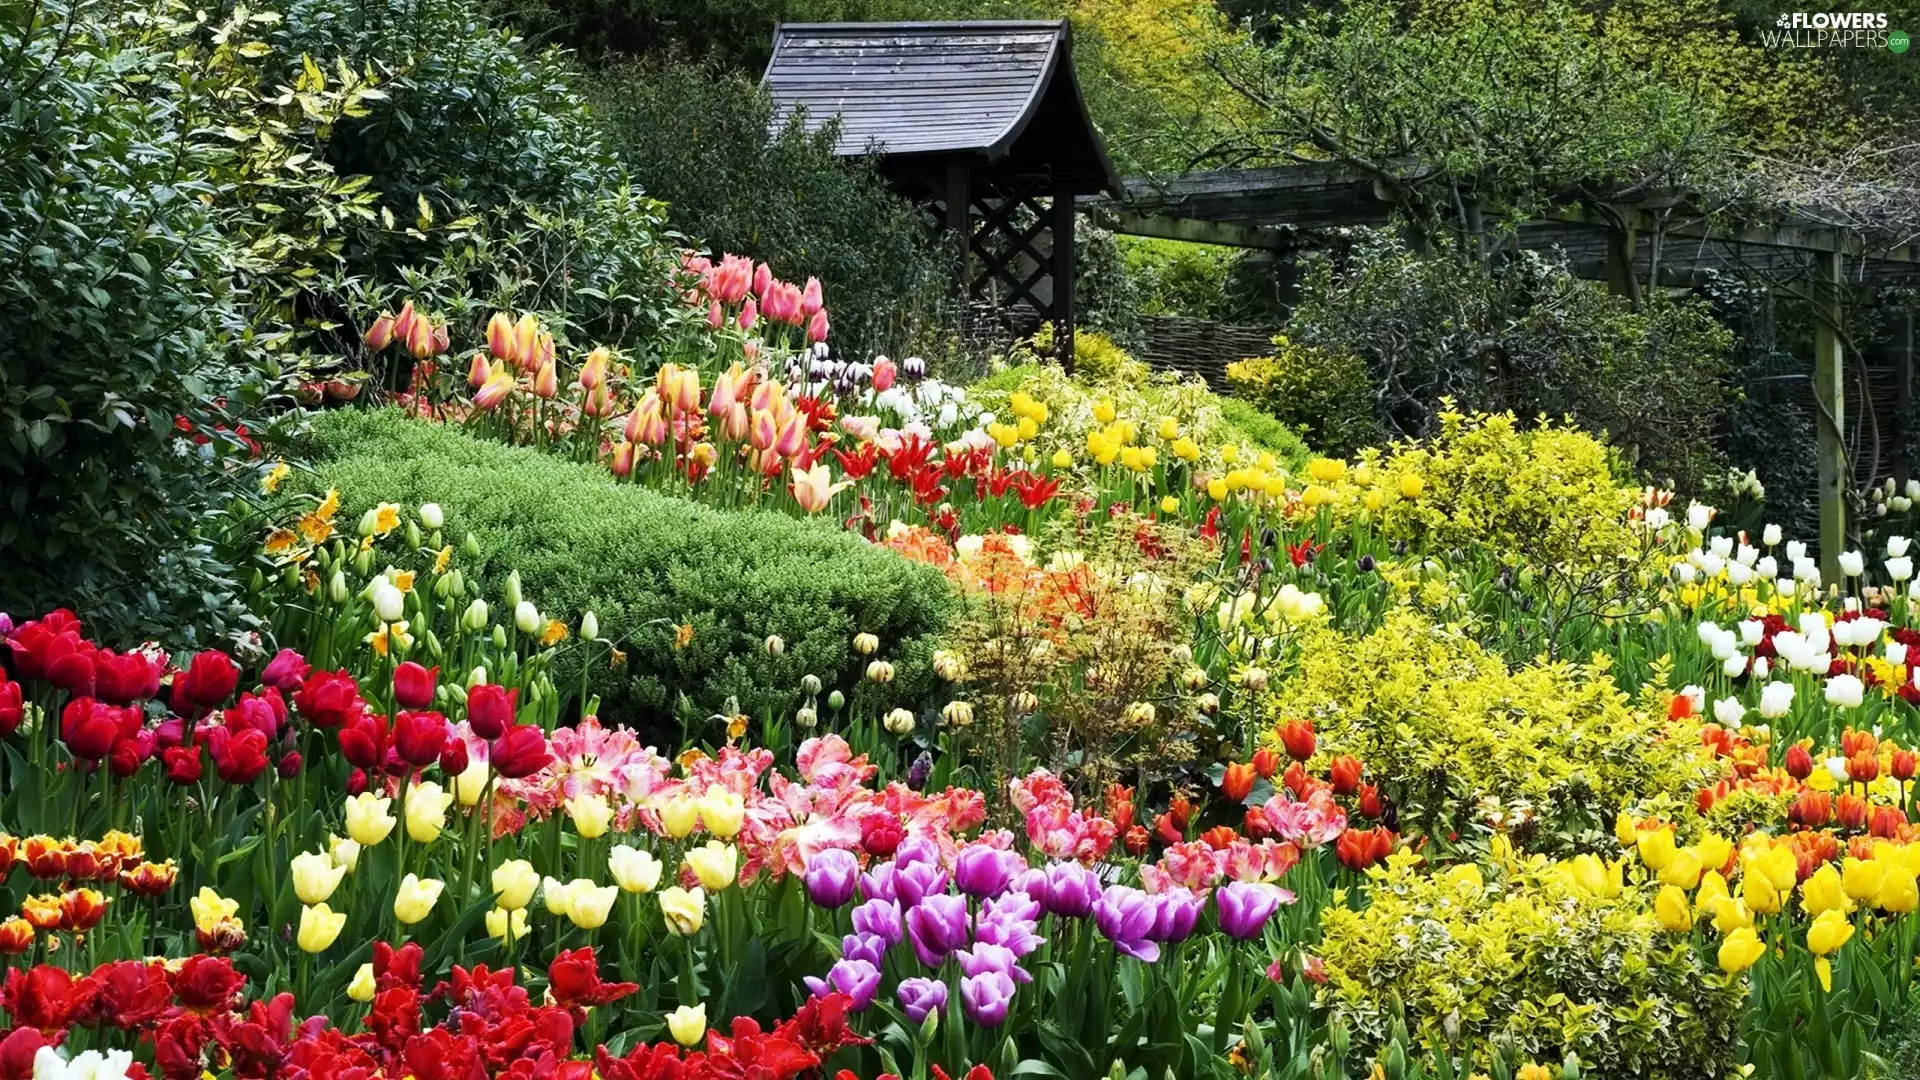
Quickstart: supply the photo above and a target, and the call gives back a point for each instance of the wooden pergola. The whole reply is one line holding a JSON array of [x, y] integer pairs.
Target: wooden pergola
[[980, 122], [1663, 240]]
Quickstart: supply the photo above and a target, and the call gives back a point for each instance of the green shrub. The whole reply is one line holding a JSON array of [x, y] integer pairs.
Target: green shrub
[[1528, 962], [704, 140], [647, 563], [1327, 395], [1263, 431], [117, 321]]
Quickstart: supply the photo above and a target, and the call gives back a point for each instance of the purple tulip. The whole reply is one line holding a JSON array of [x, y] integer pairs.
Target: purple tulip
[[917, 881], [920, 997], [857, 979], [286, 671], [1004, 929], [1245, 908], [878, 883], [880, 918], [1176, 912], [988, 957], [985, 997], [1013, 905], [1072, 890], [869, 947], [937, 926], [831, 876], [983, 871], [919, 772], [1126, 916], [916, 849], [1032, 881]]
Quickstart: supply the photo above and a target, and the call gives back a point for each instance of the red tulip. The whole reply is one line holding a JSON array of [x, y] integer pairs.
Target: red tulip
[[1257, 825], [881, 834], [520, 751], [290, 765], [574, 980], [454, 756], [1811, 810], [1266, 762], [1369, 803], [1903, 765], [329, 699], [208, 681], [90, 728], [182, 764], [34, 643], [286, 671], [1799, 762], [239, 757], [413, 685], [418, 737], [1345, 774], [1297, 737], [71, 668], [207, 984], [128, 755], [1864, 767], [364, 741], [1886, 822], [490, 709], [1850, 811], [12, 707], [125, 678]]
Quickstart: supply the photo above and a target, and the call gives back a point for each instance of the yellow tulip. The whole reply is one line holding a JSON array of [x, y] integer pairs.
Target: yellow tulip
[[1740, 949], [1713, 889], [1861, 878], [634, 870], [507, 925], [1170, 505], [362, 987], [722, 812], [426, 811], [1411, 485], [513, 884], [1186, 449], [1655, 847], [1828, 932], [414, 899], [591, 816], [685, 910], [1780, 866], [1063, 458], [1217, 489], [1683, 869], [1230, 453], [715, 864], [1898, 892], [1714, 851], [319, 926], [1824, 892], [471, 784], [367, 819], [679, 816], [344, 851], [1757, 891], [589, 905], [1624, 830], [557, 896], [1671, 909], [1326, 470], [1103, 412], [687, 1023], [1730, 914], [210, 909], [315, 876]]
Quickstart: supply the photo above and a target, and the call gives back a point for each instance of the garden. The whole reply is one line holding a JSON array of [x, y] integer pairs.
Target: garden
[[455, 625]]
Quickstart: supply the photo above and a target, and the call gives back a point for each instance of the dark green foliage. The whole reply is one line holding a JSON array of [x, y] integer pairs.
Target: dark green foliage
[[1524, 335], [703, 139], [645, 563], [116, 317]]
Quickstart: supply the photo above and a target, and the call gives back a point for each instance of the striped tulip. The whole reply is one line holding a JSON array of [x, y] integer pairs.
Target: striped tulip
[[623, 458], [593, 373], [420, 338], [526, 336], [498, 386], [403, 322], [380, 334], [764, 432], [479, 372], [793, 436], [736, 425], [546, 381], [725, 389], [501, 340]]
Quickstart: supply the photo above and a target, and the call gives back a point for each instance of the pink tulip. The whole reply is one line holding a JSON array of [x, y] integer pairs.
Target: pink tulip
[[793, 436], [593, 373], [762, 280], [725, 387], [599, 402], [380, 334], [810, 297], [814, 489], [653, 426], [716, 318], [635, 419], [817, 326], [420, 338], [478, 372], [403, 322], [441, 340], [622, 459], [764, 432], [736, 425], [498, 386], [749, 314], [500, 337], [546, 381], [751, 349], [884, 372]]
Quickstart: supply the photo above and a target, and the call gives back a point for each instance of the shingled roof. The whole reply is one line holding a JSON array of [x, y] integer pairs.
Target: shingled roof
[[984, 90]]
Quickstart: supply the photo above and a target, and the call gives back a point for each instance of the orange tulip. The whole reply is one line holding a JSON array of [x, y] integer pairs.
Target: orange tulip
[[501, 340], [546, 381], [420, 338], [593, 373], [622, 458], [1297, 737], [82, 909], [498, 386], [1237, 782], [16, 936], [736, 425], [380, 334], [478, 372], [1265, 762], [526, 340], [725, 391]]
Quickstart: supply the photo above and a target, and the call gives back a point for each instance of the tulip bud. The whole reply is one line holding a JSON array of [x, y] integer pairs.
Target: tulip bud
[[836, 701], [810, 683], [513, 589], [775, 645], [589, 627], [526, 618], [900, 722], [475, 617], [499, 636], [471, 546]]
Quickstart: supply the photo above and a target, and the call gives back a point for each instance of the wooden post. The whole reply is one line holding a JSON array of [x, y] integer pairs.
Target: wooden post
[[1622, 246], [959, 200], [1829, 397], [1062, 273]]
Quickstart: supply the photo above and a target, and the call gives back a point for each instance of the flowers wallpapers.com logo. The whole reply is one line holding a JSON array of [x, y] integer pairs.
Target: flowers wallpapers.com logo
[[1834, 30]]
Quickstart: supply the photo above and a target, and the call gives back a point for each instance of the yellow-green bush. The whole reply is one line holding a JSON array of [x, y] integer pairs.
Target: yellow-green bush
[[1552, 750], [1531, 961], [1326, 395]]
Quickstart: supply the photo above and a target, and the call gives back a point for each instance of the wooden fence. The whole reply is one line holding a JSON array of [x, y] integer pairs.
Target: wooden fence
[[1198, 347]]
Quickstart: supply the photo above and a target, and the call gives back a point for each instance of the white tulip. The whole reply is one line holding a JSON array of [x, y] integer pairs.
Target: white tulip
[[1897, 545], [431, 515], [1900, 568], [1729, 711], [526, 617], [389, 603], [1852, 563], [1775, 699], [1751, 631], [1734, 666], [1896, 653], [1746, 555], [1699, 515], [1721, 546], [1770, 535]]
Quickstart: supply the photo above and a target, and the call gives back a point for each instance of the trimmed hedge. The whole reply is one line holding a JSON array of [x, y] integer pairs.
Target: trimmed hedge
[[645, 563]]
